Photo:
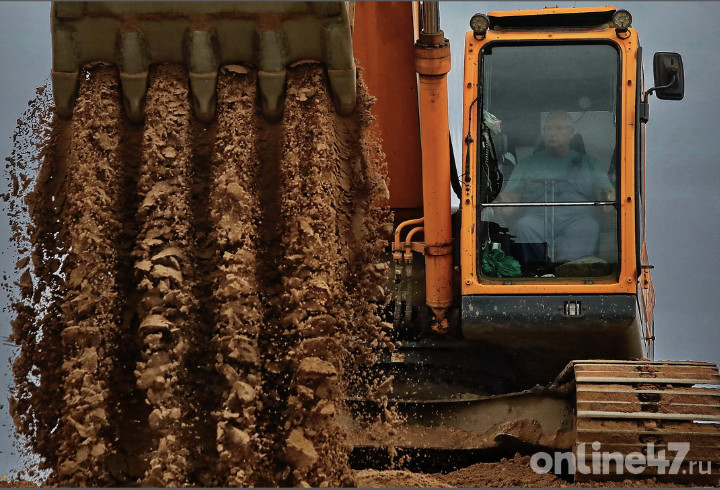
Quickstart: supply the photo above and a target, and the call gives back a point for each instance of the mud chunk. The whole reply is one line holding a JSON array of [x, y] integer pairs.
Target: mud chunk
[[26, 285], [144, 265], [242, 350], [161, 272], [243, 392], [316, 367], [239, 438], [82, 336], [381, 391], [168, 252], [300, 451], [319, 324], [152, 323], [325, 408]]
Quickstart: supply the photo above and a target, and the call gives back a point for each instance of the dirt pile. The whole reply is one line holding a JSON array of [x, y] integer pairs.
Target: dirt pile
[[513, 473], [195, 297]]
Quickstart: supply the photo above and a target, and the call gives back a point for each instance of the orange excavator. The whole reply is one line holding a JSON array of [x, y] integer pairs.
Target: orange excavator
[[525, 317]]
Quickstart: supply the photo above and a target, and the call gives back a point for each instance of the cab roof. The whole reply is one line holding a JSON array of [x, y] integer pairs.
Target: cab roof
[[552, 17]]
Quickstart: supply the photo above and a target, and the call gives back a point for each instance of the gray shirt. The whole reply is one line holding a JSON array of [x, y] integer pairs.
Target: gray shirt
[[575, 177]]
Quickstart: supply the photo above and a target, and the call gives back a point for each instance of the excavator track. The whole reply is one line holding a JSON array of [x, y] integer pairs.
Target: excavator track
[[658, 409]]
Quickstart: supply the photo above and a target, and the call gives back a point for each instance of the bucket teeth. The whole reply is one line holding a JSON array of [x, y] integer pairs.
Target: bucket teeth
[[203, 36], [66, 70], [64, 91], [341, 66], [133, 62], [203, 94], [272, 88], [203, 73], [134, 88], [342, 85], [272, 74]]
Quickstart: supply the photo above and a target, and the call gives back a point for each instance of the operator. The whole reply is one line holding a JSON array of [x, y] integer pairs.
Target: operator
[[556, 173]]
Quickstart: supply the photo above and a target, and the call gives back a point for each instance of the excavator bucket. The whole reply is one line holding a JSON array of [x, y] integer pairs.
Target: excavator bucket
[[267, 36]]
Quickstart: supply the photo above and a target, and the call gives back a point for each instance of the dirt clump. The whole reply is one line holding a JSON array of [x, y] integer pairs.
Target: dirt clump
[[194, 298], [167, 308], [320, 197], [514, 472], [91, 306], [517, 472]]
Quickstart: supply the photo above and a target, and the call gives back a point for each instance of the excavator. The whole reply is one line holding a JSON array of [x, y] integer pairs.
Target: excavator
[[523, 318]]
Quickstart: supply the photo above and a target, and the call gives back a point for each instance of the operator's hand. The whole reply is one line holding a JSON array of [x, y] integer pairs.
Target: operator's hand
[[509, 212]]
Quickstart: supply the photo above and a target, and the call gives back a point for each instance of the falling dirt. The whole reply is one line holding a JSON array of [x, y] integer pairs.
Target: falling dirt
[[195, 298], [236, 227]]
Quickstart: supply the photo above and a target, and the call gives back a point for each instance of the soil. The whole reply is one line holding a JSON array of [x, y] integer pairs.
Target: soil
[[193, 299]]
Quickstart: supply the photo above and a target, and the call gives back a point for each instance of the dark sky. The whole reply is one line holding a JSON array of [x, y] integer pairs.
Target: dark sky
[[682, 145]]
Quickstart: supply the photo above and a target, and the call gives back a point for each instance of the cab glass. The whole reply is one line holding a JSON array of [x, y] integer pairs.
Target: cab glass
[[548, 161]]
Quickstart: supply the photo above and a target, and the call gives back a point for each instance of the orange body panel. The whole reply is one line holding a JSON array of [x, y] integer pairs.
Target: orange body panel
[[383, 44], [628, 277]]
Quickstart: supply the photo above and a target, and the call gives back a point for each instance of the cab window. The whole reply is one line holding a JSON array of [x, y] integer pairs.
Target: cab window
[[548, 163]]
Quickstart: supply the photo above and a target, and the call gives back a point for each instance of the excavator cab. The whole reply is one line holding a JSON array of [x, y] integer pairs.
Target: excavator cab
[[553, 240]]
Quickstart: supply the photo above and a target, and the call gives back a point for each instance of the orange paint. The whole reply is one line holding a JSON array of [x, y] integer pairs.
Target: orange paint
[[383, 44]]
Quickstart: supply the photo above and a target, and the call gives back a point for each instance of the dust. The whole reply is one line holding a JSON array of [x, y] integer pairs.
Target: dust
[[194, 300]]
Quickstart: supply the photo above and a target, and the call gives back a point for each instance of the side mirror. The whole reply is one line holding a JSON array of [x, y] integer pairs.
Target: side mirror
[[669, 76]]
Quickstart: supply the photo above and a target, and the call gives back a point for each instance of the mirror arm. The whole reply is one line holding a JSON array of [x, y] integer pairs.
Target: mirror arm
[[651, 90]]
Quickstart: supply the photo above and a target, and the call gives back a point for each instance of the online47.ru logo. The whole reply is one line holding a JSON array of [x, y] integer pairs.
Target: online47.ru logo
[[597, 462]]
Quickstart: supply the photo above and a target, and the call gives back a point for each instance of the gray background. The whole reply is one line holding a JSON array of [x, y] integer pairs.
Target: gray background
[[683, 171]]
